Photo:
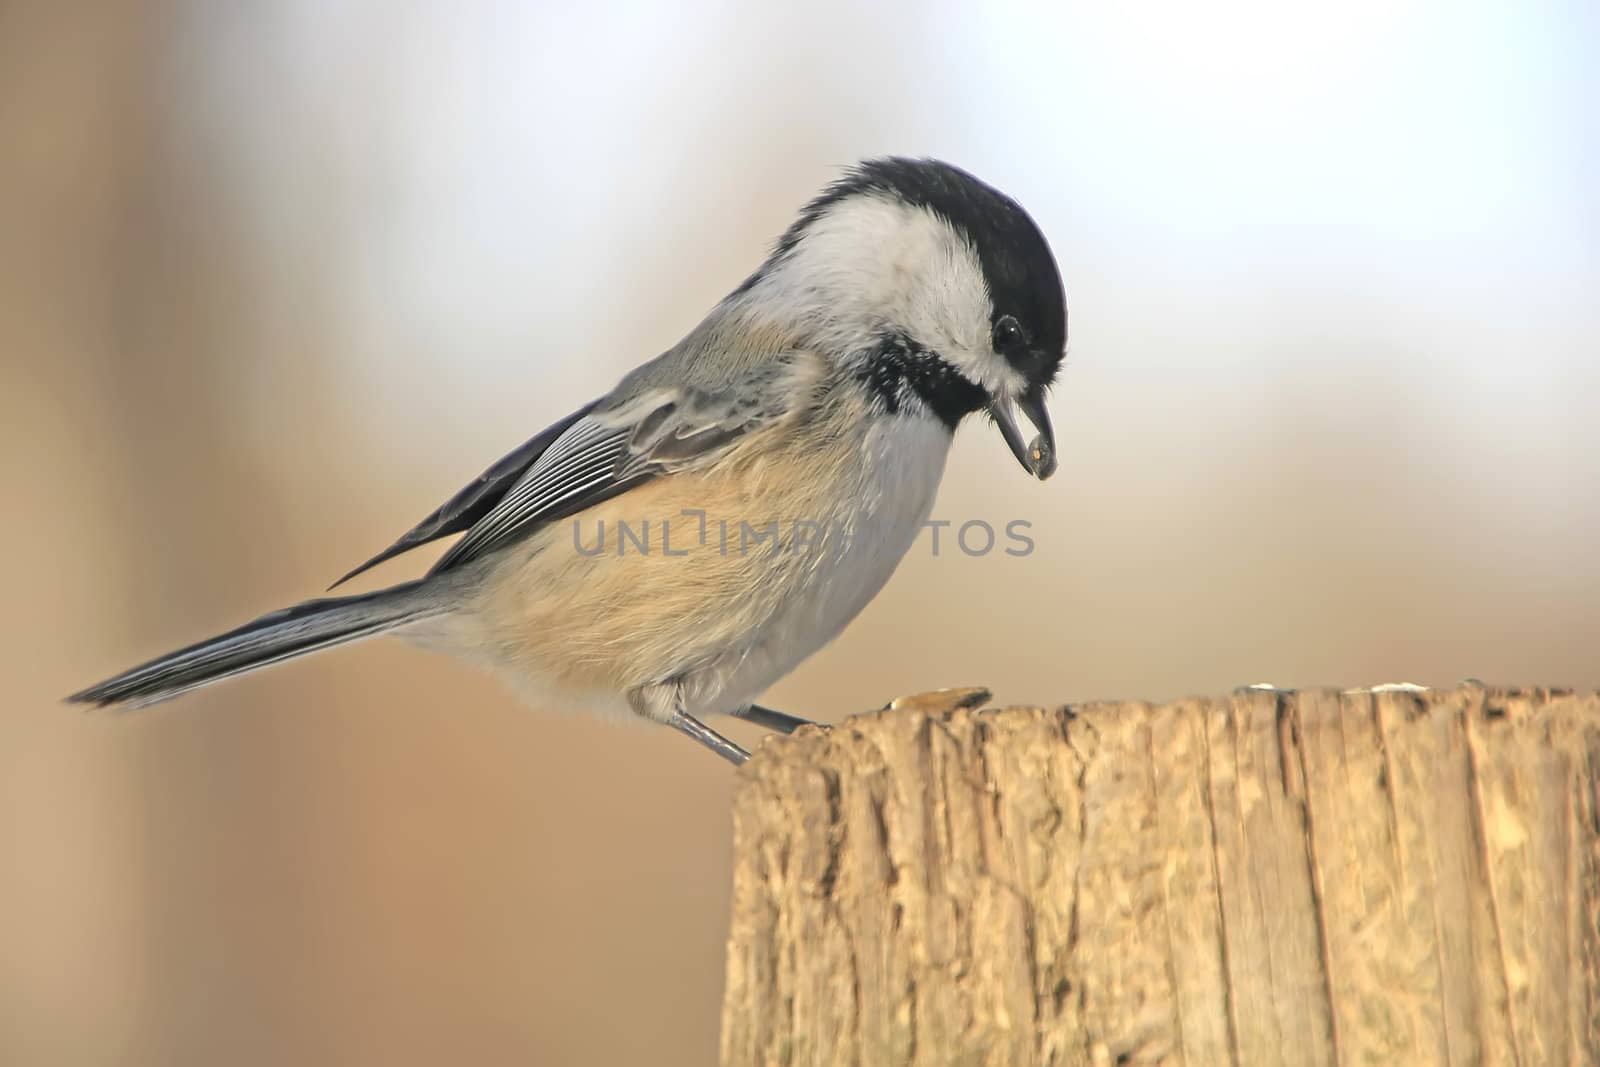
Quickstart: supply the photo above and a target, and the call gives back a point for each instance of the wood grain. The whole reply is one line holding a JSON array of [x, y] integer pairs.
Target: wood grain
[[1317, 877]]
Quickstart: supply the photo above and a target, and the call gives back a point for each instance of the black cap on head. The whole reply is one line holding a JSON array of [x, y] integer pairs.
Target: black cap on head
[[1021, 273]]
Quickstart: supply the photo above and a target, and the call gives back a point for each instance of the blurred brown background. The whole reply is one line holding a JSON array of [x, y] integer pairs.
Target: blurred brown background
[[275, 279]]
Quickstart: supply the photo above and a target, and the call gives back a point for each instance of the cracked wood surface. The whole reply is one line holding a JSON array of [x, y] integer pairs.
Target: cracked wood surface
[[1272, 877]]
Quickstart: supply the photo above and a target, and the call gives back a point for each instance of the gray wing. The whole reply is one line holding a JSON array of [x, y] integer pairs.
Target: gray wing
[[476, 500], [603, 454], [588, 457]]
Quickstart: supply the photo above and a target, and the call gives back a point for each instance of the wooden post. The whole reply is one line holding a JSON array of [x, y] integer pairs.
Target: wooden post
[[1393, 876]]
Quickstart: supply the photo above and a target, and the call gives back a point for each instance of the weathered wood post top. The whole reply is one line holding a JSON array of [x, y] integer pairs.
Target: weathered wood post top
[[1394, 875]]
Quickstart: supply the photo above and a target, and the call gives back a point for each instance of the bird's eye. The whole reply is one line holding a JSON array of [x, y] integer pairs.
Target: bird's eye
[[1008, 336]]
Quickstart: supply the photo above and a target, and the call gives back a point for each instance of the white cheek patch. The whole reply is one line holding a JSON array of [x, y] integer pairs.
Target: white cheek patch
[[950, 310], [872, 263]]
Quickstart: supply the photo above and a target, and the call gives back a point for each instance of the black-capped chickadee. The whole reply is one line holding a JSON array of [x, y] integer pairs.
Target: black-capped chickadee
[[785, 453]]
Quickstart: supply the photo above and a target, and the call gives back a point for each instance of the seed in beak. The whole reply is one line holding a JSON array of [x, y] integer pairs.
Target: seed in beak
[[1041, 455]]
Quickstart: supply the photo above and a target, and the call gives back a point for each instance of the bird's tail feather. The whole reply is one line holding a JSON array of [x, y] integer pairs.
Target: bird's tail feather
[[296, 631]]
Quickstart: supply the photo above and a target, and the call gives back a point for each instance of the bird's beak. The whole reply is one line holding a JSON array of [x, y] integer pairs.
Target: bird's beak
[[1038, 457]]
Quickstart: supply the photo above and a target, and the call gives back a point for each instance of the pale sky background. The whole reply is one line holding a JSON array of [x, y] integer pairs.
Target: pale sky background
[[277, 279]]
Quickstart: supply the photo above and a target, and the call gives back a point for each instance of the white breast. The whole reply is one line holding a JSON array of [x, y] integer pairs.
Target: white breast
[[896, 481]]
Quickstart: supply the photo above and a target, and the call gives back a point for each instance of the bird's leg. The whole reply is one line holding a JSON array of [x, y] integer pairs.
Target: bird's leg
[[683, 722], [653, 702], [774, 720]]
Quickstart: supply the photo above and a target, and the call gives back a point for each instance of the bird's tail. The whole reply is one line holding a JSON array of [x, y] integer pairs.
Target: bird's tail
[[296, 631]]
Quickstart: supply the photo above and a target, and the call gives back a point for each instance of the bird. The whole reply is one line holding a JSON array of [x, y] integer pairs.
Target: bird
[[761, 479]]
